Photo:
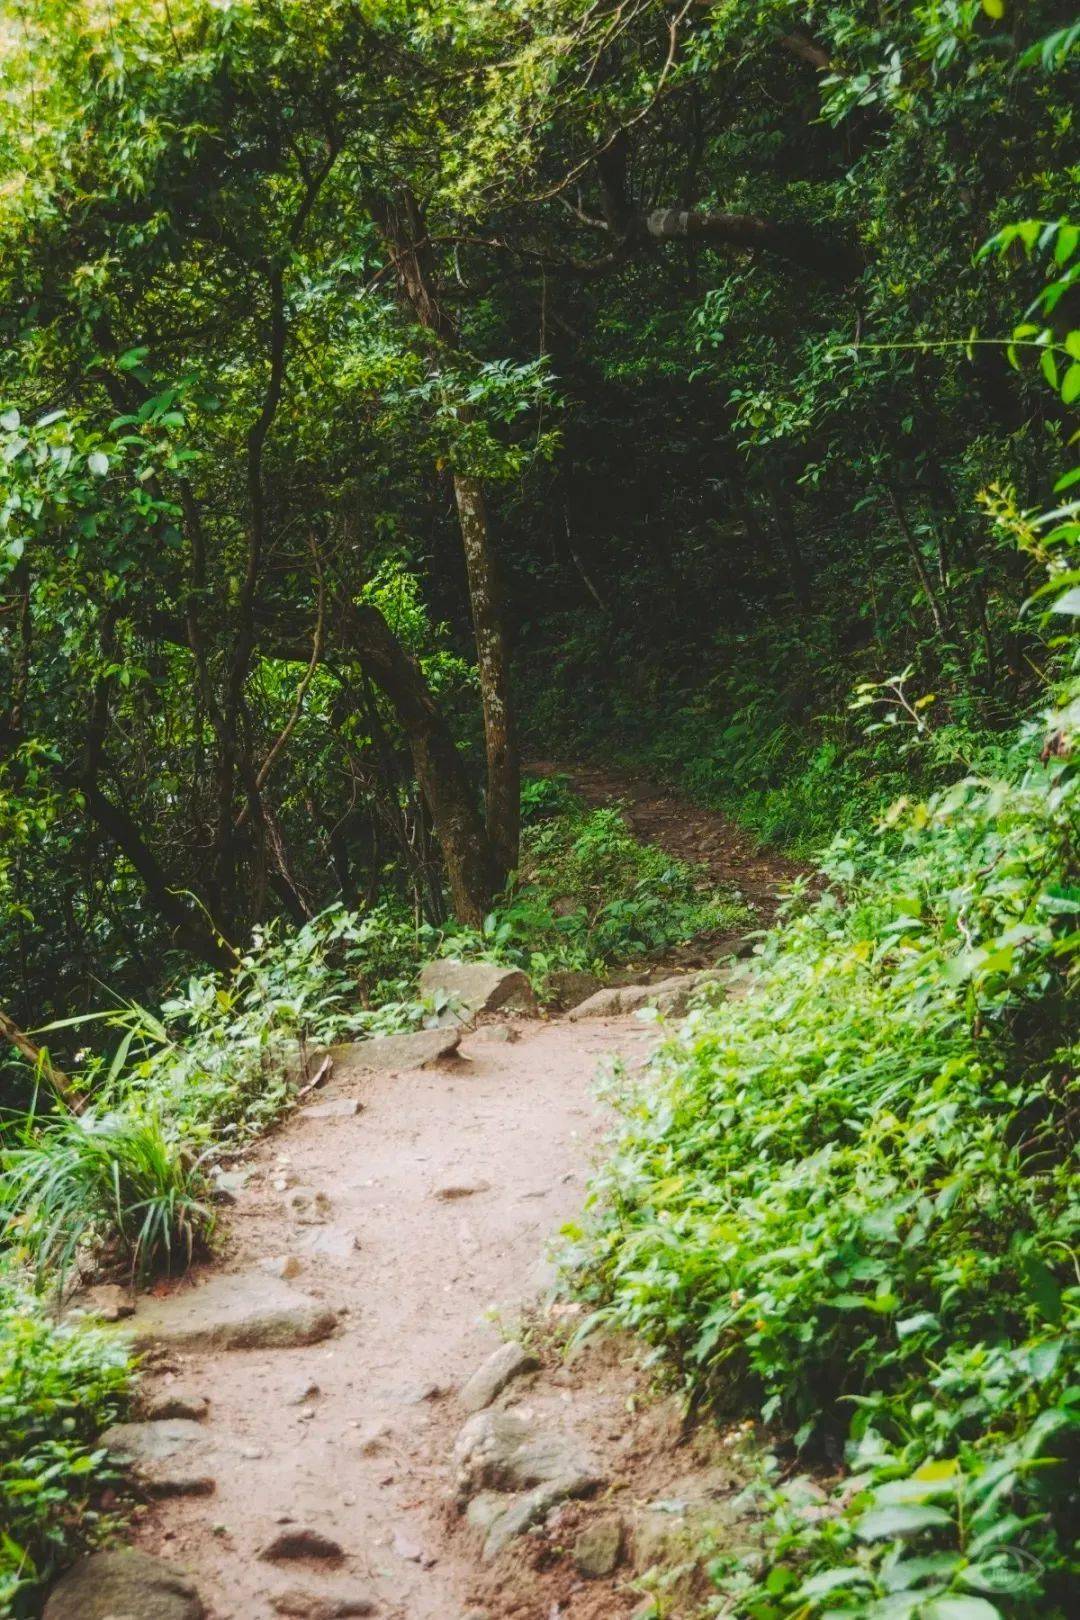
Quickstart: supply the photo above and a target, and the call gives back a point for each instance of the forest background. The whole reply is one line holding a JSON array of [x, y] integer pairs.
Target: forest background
[[389, 389]]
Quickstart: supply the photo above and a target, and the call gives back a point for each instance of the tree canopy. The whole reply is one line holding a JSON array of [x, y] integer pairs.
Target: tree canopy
[[353, 351]]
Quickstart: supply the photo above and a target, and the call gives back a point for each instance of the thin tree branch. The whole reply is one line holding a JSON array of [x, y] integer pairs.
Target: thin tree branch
[[57, 1079], [301, 691]]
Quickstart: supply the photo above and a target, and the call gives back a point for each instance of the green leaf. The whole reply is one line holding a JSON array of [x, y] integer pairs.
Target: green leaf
[[1042, 1289], [831, 1580], [1070, 387], [891, 1523], [1065, 247], [961, 1608], [994, 9]]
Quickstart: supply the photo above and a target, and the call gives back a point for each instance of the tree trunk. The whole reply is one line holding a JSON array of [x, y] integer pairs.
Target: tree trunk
[[503, 765], [784, 522], [922, 573], [194, 931], [405, 232], [470, 867]]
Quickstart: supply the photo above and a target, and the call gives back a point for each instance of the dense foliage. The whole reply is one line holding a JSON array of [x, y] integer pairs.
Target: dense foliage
[[59, 1387], [854, 1190], [690, 344], [385, 382]]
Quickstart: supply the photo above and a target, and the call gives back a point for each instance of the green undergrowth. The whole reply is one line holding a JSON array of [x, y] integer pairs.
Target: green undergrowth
[[733, 742], [759, 723], [59, 1388], [125, 1183], [847, 1200], [589, 895]]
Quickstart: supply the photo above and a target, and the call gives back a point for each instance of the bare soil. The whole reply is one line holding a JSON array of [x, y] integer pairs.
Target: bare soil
[[426, 1286]]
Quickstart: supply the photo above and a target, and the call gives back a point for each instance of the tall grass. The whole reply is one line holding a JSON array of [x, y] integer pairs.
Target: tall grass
[[112, 1183]]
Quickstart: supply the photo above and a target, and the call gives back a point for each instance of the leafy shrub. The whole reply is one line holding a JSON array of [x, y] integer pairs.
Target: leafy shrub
[[545, 796], [588, 895], [59, 1387], [616, 898], [217, 1065], [112, 1180], [857, 1185]]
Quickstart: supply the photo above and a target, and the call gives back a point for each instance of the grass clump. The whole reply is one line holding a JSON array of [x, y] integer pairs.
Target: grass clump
[[849, 1200], [114, 1184], [60, 1386]]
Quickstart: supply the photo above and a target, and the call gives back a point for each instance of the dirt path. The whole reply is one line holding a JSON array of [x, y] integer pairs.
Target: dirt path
[[443, 1192], [513, 1120]]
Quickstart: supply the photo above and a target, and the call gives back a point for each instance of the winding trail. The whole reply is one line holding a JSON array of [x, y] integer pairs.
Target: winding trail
[[444, 1190]]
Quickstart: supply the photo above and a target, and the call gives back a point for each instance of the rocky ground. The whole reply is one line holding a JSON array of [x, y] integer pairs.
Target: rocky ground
[[366, 1406]]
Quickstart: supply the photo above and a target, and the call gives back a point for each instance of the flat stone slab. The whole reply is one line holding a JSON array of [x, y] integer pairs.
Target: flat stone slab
[[166, 1456], [244, 1310], [332, 1242], [173, 1401], [422, 1049], [671, 996], [109, 1585]]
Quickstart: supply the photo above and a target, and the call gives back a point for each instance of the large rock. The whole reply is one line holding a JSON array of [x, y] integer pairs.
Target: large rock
[[463, 990], [166, 1457], [107, 1301], [173, 1400], [670, 996], [386, 1054], [606, 1003], [124, 1585], [244, 1310], [489, 1380], [501, 1451], [666, 1533]]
